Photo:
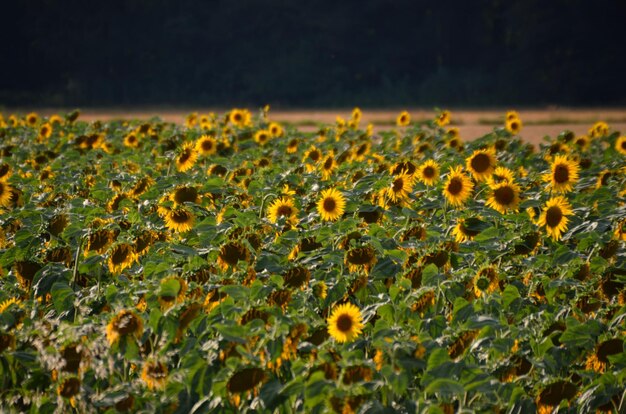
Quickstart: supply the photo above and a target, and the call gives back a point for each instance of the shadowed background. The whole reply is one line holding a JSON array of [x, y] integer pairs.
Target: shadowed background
[[371, 53]]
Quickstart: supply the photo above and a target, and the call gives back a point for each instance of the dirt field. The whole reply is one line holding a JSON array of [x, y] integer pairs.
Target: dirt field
[[472, 123]]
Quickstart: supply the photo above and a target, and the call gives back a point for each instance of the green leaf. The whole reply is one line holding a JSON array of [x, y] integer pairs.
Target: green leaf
[[62, 297], [510, 295], [445, 387]]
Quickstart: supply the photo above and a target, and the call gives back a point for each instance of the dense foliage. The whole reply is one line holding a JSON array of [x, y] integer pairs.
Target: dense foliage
[[236, 264]]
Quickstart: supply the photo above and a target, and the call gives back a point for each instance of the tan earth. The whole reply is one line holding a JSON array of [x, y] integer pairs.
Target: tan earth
[[538, 122]]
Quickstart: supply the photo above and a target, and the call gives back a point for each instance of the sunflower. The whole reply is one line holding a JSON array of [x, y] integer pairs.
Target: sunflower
[[69, 387], [32, 119], [275, 129], [428, 172], [45, 131], [184, 194], [297, 277], [141, 186], [554, 216], [239, 117], [552, 395], [124, 324], [563, 174], [463, 231], [458, 188], [598, 360], [7, 304], [485, 281], [328, 165], [582, 142], [599, 129], [504, 197], [620, 145], [154, 374], [620, 231], [191, 120], [179, 219], [400, 188], [172, 290], [511, 115], [481, 164], [331, 204], [262, 136], [454, 143], [292, 146], [231, 253], [5, 172], [443, 118], [311, 158], [186, 157], [206, 145], [361, 151], [345, 323], [121, 257], [282, 207], [6, 192], [359, 258], [501, 175], [514, 126], [403, 119], [131, 140], [245, 380]]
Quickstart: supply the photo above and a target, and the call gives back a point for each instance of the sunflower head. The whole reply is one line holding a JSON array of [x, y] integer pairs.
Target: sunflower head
[[179, 219], [563, 174], [359, 258], [121, 256], [400, 187], [443, 118], [554, 216], [187, 157], [124, 324], [275, 129], [154, 375], [331, 204], [245, 380], [458, 187], [345, 323], [172, 290], [467, 229], [403, 119], [504, 197], [485, 281], [481, 164], [262, 136], [620, 145], [206, 145], [231, 253], [428, 172], [514, 126], [283, 207]]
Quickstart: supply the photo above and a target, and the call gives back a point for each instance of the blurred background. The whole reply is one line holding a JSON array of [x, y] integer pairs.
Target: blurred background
[[371, 53]]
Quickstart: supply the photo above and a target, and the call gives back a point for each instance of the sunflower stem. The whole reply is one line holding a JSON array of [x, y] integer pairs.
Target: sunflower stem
[[263, 203], [76, 257]]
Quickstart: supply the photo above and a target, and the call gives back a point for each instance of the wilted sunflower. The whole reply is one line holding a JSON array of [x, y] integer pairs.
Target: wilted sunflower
[[458, 187], [359, 258], [552, 395], [328, 165], [481, 164], [5, 194], [262, 136], [206, 145], [131, 140], [282, 207], [172, 290], [403, 119], [245, 380], [443, 118], [331, 205], [179, 219], [400, 188], [345, 323], [69, 387], [554, 216], [428, 172], [485, 281], [184, 194], [563, 174], [121, 257], [231, 253], [504, 197], [154, 374], [598, 360], [620, 145], [186, 157], [124, 324]]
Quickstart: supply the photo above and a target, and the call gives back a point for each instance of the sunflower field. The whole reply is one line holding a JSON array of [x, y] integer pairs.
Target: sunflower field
[[236, 264]]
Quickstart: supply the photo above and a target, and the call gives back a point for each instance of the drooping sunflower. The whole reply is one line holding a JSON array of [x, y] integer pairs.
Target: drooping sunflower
[[262, 136], [331, 204], [463, 231], [69, 387], [172, 290], [121, 257], [141, 186], [5, 194], [245, 380], [359, 258], [186, 157], [481, 164], [598, 360], [504, 197], [400, 188], [125, 324], [206, 145], [582, 142], [179, 219], [563, 174], [231, 253], [443, 118], [458, 187], [184, 194], [345, 323], [428, 172], [154, 374], [554, 216], [620, 145], [485, 281], [552, 395], [328, 165], [403, 119], [5, 172]]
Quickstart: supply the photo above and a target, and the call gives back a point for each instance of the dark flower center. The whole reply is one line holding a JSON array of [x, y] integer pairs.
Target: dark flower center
[[504, 195], [480, 162], [284, 210], [428, 172], [344, 323], [554, 216], [455, 186], [561, 174], [329, 204]]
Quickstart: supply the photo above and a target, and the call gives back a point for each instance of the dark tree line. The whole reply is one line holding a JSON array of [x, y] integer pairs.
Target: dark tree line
[[313, 53]]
